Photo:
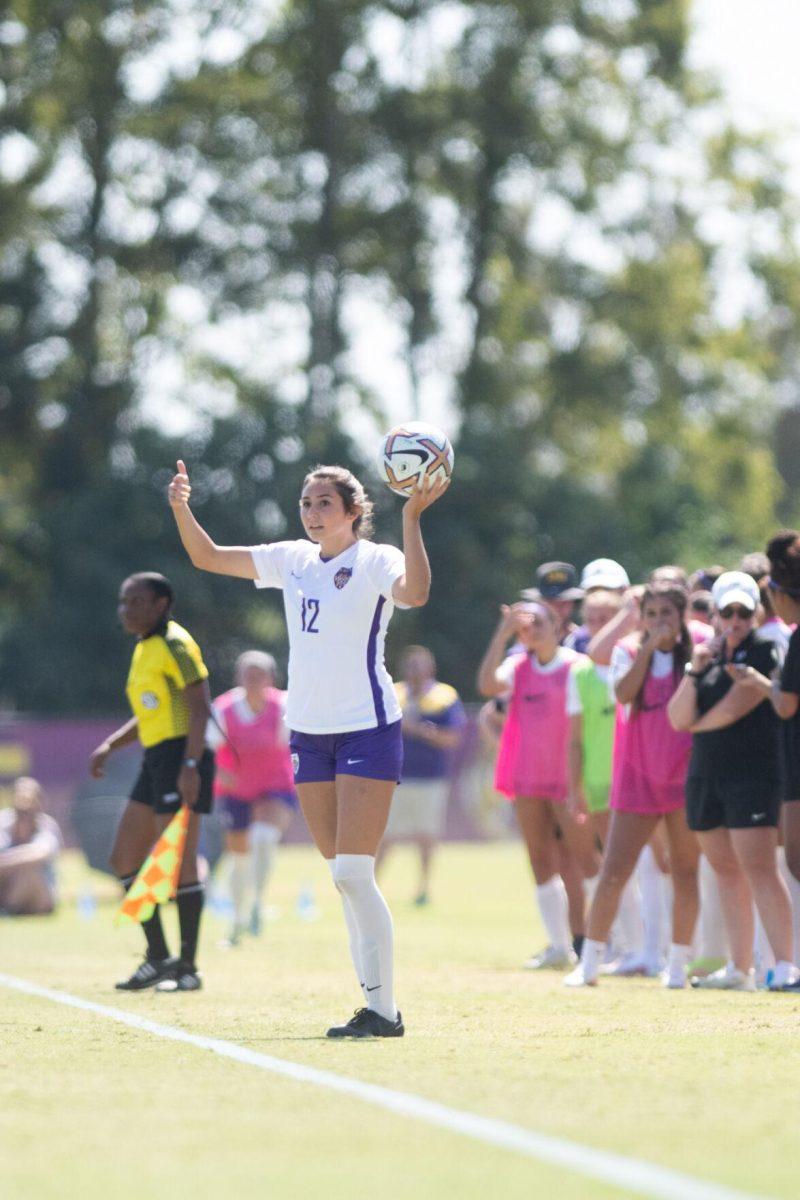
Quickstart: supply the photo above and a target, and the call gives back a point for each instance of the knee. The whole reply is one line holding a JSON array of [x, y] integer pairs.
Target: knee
[[350, 877], [793, 860]]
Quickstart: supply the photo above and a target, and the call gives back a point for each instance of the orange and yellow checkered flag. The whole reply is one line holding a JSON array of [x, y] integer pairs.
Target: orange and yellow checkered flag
[[157, 881]]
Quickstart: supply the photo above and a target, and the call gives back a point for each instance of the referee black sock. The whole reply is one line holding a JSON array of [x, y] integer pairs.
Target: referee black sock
[[153, 930], [190, 899]]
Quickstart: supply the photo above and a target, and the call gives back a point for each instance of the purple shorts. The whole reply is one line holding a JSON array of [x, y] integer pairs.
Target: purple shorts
[[237, 815], [369, 753]]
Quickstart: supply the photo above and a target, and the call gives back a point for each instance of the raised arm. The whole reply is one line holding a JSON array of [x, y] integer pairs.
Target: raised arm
[[414, 586], [204, 553], [784, 703], [621, 624], [488, 682]]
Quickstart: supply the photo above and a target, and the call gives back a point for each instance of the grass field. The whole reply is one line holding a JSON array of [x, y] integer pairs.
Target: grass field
[[701, 1083]]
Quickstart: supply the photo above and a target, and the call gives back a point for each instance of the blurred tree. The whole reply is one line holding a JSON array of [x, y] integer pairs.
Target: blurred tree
[[214, 213]]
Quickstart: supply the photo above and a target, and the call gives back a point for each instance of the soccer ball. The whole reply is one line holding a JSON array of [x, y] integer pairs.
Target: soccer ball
[[413, 452]]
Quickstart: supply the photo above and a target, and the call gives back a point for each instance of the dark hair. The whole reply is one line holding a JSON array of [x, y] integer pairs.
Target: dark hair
[[704, 578], [783, 553], [756, 565], [159, 585], [679, 597], [352, 493]]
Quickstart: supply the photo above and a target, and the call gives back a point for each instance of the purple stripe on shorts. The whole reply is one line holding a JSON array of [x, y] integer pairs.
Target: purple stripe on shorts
[[372, 647]]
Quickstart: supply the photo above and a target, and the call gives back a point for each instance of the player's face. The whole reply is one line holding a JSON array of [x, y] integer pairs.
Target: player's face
[[417, 669], [139, 609], [662, 621], [323, 513], [255, 679], [595, 616]]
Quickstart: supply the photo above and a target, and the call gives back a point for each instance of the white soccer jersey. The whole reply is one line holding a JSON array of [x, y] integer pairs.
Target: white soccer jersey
[[337, 612]]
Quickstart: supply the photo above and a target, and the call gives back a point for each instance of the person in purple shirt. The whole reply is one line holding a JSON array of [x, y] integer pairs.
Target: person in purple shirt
[[433, 721]]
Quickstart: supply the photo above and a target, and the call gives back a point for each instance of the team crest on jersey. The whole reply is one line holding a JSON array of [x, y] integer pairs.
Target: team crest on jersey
[[295, 763], [149, 700], [342, 576]]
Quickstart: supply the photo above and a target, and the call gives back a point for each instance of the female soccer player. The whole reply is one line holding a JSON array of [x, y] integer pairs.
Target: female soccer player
[[532, 761], [254, 781], [168, 692], [339, 592], [650, 767]]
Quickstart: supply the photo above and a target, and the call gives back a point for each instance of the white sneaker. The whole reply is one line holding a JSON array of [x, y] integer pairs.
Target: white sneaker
[[674, 979], [631, 964], [556, 958], [728, 978], [577, 978]]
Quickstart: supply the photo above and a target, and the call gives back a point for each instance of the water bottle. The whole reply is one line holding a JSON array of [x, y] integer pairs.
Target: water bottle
[[87, 904], [306, 906]]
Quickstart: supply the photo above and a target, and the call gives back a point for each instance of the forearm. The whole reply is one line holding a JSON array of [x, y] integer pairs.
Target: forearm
[[196, 542], [418, 569], [629, 685], [602, 644], [127, 733], [198, 700], [488, 683], [574, 766], [24, 855], [682, 708]]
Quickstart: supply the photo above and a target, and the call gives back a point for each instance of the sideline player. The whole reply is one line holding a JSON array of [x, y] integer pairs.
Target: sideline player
[[168, 693], [339, 592], [433, 724], [253, 781], [29, 844]]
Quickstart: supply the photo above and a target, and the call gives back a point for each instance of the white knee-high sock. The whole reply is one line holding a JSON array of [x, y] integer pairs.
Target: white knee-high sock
[[651, 887], [794, 892], [628, 928], [264, 839], [554, 907], [354, 875], [352, 929], [239, 884], [713, 938]]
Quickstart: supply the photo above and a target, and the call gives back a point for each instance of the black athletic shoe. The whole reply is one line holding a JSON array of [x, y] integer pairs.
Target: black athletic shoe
[[148, 974], [184, 978], [365, 1023]]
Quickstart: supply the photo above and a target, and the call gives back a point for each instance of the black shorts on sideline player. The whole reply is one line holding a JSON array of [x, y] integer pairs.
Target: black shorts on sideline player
[[157, 782], [732, 803]]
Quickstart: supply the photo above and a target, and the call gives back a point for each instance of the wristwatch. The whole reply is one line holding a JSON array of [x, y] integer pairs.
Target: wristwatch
[[190, 762]]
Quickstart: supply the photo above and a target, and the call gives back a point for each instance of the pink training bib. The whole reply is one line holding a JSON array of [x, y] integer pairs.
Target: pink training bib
[[651, 759], [255, 753], [532, 758]]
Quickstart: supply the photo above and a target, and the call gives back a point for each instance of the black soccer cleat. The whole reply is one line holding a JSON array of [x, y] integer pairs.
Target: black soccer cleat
[[148, 974], [365, 1023], [184, 978]]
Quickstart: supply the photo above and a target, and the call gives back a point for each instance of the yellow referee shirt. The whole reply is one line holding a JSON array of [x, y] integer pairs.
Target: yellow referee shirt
[[162, 666]]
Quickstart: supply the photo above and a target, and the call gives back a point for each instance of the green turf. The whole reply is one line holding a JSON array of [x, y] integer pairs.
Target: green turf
[[699, 1082]]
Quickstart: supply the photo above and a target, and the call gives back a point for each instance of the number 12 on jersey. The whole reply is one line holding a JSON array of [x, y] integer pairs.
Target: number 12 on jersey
[[308, 615]]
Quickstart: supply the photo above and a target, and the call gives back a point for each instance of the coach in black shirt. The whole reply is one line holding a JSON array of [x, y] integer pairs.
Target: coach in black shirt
[[733, 789]]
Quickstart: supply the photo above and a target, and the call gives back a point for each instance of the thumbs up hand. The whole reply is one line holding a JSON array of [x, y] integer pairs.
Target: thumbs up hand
[[180, 489]]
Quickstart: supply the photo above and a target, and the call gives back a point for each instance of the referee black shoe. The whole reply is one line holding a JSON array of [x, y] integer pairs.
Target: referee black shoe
[[365, 1023], [148, 974], [185, 978]]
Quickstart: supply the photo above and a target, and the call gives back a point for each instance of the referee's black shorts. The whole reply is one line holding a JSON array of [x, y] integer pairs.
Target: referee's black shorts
[[713, 803], [157, 782]]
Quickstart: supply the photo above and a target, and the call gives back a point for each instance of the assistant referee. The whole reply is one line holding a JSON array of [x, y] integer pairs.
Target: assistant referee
[[167, 690]]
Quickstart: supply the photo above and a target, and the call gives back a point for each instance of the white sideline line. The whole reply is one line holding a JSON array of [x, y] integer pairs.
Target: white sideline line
[[633, 1175]]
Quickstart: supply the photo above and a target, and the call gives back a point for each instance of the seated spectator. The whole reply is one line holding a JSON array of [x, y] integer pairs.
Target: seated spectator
[[29, 844]]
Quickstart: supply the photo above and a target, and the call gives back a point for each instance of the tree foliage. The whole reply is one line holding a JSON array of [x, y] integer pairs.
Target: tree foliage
[[533, 210]]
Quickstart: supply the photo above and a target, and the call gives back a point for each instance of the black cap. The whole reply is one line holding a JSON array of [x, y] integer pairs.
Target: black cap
[[558, 581]]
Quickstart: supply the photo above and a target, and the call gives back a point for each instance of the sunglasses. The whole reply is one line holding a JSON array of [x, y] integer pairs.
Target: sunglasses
[[777, 587], [736, 610]]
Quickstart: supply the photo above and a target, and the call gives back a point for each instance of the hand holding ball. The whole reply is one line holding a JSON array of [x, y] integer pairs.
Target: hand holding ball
[[414, 455]]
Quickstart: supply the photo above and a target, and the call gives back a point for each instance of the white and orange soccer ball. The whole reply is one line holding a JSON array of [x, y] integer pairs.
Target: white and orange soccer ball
[[414, 452]]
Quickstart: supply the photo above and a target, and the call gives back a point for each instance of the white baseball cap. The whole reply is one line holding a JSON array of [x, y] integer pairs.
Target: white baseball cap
[[735, 587], [604, 573]]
